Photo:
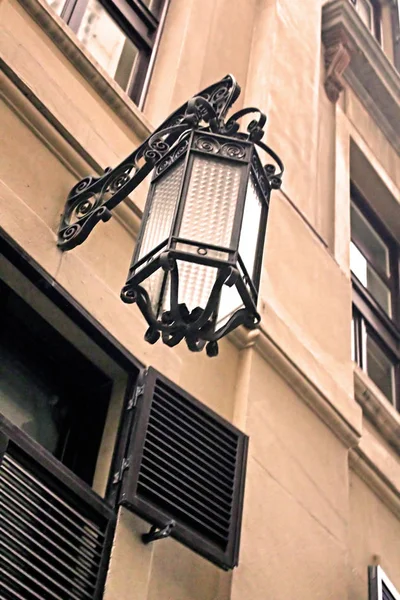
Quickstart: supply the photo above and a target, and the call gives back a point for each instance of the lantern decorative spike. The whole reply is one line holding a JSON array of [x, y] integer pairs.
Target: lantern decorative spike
[[204, 222]]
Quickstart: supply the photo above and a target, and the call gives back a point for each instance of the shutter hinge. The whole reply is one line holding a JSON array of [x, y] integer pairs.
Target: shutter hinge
[[118, 475], [133, 400]]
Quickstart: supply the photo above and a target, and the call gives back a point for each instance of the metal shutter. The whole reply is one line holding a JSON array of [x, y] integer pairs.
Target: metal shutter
[[55, 532], [186, 464]]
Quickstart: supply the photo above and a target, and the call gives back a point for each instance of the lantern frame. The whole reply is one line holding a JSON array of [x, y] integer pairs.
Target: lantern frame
[[197, 129]]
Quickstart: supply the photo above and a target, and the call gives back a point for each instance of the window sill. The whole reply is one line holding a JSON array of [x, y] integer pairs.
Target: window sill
[[87, 66], [353, 54], [377, 408]]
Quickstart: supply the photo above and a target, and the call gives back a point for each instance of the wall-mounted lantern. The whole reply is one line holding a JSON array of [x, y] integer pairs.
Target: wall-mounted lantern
[[196, 268]]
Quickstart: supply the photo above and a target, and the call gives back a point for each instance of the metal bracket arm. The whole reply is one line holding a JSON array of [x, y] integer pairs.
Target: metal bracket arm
[[92, 199]]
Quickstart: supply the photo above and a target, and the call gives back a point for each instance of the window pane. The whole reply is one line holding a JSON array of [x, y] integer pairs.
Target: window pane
[[151, 4], [369, 278], [364, 9], [114, 51], [362, 231], [380, 368], [250, 225], [27, 400], [57, 5]]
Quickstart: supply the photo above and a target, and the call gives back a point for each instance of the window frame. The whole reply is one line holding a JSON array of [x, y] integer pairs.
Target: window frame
[[377, 578], [376, 17], [391, 281], [140, 24], [61, 299], [368, 315]]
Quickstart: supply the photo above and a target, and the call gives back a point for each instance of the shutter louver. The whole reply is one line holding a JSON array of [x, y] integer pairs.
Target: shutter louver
[[187, 464], [54, 540], [380, 586]]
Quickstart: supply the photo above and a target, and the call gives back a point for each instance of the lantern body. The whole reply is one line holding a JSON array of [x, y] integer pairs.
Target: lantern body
[[206, 214]]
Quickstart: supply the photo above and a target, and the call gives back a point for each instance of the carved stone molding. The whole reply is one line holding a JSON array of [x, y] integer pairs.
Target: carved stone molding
[[338, 51], [354, 57]]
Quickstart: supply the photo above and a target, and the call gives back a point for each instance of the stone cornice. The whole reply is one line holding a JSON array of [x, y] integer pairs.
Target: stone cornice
[[377, 408], [353, 55], [378, 477], [262, 343]]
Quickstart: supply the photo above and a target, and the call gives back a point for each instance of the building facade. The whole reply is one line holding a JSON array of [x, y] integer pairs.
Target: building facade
[[316, 388]]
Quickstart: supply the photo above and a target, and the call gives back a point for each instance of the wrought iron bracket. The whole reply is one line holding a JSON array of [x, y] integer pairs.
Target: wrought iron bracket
[[93, 198], [196, 326], [158, 533]]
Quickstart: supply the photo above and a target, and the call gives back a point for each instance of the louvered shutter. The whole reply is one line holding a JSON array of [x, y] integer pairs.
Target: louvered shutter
[[380, 586], [186, 464], [55, 532]]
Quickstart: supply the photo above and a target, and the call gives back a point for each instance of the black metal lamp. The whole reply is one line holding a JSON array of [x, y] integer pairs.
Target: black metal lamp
[[196, 268]]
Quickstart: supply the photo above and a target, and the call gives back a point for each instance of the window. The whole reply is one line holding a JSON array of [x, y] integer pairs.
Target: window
[[55, 534], [59, 374], [380, 586], [47, 387], [120, 34], [369, 13], [374, 263]]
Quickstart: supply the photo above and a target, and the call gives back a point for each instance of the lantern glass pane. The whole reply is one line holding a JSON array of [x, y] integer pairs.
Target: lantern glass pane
[[162, 209], [210, 203], [165, 195], [153, 285], [195, 285], [230, 302], [250, 227]]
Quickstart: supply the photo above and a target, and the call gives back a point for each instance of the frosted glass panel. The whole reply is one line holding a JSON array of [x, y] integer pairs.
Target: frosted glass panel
[[230, 302], [153, 285], [250, 226], [159, 223], [162, 210], [211, 202], [195, 284]]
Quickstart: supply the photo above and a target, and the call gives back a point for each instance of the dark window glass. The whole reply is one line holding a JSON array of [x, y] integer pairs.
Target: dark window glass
[[48, 388], [380, 367]]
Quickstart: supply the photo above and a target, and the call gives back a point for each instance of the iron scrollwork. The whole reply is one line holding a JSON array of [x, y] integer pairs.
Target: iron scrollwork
[[92, 199]]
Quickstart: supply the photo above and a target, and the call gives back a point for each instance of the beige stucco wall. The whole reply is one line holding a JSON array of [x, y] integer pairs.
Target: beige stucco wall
[[296, 508], [290, 387], [374, 537]]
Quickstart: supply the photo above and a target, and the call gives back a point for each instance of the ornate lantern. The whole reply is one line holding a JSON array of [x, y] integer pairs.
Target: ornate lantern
[[196, 268]]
